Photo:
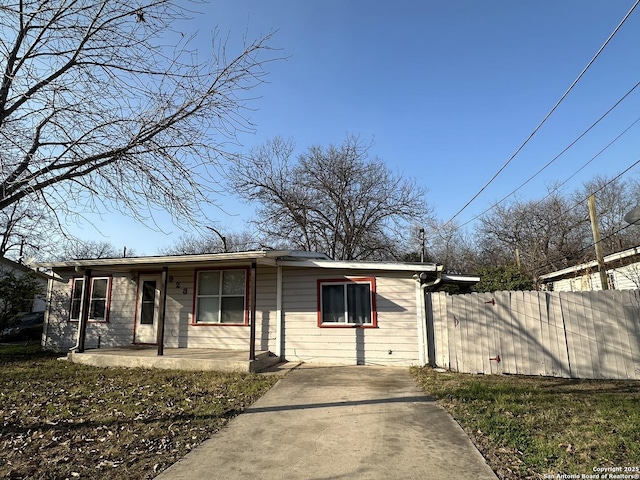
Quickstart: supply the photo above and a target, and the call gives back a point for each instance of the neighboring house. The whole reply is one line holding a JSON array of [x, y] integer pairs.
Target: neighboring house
[[623, 273], [7, 265], [298, 305]]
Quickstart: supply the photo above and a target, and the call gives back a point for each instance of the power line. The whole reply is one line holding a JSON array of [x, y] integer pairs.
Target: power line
[[581, 202], [559, 186], [593, 125], [546, 117], [591, 245]]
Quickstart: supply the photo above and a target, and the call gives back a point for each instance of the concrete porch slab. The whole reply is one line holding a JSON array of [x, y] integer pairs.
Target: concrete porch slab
[[193, 359]]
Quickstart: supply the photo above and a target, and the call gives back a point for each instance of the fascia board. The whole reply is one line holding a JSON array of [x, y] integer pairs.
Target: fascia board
[[589, 265], [347, 265], [150, 261]]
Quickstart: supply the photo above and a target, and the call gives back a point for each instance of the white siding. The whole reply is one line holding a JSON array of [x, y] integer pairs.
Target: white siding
[[61, 334], [624, 278], [39, 304], [628, 277], [266, 301], [394, 342], [179, 331]]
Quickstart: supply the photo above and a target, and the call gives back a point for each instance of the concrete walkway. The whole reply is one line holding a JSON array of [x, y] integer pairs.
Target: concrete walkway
[[322, 422]]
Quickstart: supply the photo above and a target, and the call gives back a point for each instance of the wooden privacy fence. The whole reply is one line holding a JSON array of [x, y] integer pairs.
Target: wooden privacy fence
[[559, 334]]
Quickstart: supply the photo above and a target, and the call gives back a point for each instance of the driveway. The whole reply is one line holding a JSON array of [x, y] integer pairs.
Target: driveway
[[326, 422]]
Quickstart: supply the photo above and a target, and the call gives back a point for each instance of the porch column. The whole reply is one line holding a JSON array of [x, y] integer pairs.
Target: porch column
[[279, 316], [422, 320], [252, 327], [162, 308], [84, 313], [430, 329]]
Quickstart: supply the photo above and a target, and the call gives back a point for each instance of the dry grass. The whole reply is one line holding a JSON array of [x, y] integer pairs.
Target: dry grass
[[62, 420], [529, 427]]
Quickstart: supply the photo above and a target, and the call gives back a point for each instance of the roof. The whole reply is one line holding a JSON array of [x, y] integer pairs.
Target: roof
[[262, 256], [352, 264], [460, 279], [21, 267], [625, 257], [290, 258]]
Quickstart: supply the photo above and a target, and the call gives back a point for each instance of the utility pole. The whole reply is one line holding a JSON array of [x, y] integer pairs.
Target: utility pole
[[598, 244], [422, 250]]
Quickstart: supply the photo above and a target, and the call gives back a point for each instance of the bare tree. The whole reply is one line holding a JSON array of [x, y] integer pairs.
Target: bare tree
[[74, 248], [615, 197], [545, 235], [20, 229], [104, 106], [211, 242], [338, 200], [554, 232], [452, 247]]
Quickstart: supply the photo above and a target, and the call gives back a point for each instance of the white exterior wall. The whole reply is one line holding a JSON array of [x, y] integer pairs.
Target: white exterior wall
[[266, 301], [61, 334], [39, 303], [628, 277], [394, 342], [624, 278]]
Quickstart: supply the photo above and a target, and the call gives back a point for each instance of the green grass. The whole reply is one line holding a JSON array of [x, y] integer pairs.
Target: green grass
[[63, 420], [530, 426]]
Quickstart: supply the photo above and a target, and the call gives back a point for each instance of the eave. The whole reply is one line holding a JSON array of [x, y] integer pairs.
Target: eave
[[624, 256]]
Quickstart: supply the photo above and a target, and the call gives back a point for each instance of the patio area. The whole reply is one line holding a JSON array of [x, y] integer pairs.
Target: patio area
[[193, 359]]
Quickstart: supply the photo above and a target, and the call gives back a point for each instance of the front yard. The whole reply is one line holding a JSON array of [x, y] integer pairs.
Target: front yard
[[62, 420], [538, 427]]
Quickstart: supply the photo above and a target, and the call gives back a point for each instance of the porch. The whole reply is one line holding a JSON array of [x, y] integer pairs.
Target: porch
[[193, 359]]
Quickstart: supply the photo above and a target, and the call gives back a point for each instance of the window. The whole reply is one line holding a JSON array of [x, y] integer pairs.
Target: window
[[98, 300], [347, 303], [148, 302], [220, 297]]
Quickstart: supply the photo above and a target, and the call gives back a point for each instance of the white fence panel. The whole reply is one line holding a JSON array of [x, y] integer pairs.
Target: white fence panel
[[562, 334]]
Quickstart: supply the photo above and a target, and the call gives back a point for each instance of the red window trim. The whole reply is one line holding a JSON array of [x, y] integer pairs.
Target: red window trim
[[374, 312], [195, 297], [108, 305]]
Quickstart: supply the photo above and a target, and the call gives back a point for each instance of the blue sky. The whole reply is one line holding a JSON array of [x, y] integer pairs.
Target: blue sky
[[447, 90]]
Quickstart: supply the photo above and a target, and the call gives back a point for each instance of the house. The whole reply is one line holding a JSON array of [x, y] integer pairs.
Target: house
[[7, 265], [623, 273], [298, 306]]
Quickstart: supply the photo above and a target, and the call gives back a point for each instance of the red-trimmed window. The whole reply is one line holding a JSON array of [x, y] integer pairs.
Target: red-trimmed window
[[220, 297], [347, 302], [98, 301]]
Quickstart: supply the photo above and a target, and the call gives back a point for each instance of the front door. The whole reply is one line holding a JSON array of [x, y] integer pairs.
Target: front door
[[147, 309]]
